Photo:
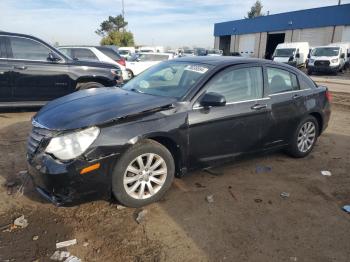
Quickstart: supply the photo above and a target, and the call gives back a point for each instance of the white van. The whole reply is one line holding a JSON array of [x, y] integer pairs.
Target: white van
[[331, 58], [294, 54], [346, 46]]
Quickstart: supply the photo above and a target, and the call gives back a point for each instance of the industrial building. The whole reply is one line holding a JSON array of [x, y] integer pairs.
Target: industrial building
[[258, 37]]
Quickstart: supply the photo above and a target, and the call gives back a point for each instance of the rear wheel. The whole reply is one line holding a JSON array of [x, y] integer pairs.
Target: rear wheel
[[304, 138], [130, 73], [88, 85], [143, 174]]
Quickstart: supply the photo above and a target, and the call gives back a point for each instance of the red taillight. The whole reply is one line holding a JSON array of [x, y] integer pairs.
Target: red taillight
[[329, 96], [121, 61]]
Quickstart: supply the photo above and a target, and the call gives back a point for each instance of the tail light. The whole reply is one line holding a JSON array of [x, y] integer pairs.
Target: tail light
[[121, 61], [329, 96]]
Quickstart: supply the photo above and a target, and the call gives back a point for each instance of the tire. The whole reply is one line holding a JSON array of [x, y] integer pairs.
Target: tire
[[138, 179], [130, 73], [88, 85], [307, 142], [309, 72]]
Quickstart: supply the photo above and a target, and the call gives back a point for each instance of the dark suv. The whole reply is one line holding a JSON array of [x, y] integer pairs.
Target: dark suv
[[32, 72]]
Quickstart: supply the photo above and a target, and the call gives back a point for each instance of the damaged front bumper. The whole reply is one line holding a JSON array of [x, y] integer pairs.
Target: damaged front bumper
[[63, 184]]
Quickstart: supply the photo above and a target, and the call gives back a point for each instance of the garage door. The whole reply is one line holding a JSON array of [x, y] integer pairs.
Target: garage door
[[246, 45], [316, 36], [346, 34]]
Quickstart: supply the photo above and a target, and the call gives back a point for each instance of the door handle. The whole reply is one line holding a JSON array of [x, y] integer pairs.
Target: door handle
[[258, 106], [20, 67], [296, 96]]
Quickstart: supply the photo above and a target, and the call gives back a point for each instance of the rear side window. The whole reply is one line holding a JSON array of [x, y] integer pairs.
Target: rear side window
[[110, 53], [306, 83], [280, 81], [66, 51], [28, 49], [83, 54], [3, 53], [238, 84]]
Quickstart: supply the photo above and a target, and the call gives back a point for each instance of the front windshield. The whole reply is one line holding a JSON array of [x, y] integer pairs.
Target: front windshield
[[325, 51], [170, 79], [284, 52]]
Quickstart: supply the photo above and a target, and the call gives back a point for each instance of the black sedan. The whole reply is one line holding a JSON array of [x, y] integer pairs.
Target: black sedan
[[178, 115]]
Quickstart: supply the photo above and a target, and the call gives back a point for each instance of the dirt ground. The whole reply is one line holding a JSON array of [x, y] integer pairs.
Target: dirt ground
[[248, 220]]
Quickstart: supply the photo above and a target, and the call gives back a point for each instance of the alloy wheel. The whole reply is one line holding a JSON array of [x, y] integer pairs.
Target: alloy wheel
[[306, 136], [145, 176]]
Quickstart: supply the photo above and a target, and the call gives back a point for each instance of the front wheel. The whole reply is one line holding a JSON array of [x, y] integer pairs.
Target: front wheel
[[304, 138], [130, 74], [143, 174]]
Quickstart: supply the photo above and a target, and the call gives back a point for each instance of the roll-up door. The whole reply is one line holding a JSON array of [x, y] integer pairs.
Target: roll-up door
[[316, 36], [246, 45], [346, 34]]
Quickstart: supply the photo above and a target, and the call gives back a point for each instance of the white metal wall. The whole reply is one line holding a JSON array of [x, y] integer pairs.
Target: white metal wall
[[246, 45]]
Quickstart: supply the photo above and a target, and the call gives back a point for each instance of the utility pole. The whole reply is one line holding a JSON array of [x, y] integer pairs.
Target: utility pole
[[123, 13], [339, 2]]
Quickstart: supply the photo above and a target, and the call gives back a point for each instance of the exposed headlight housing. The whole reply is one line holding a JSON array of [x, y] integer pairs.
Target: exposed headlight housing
[[69, 146], [335, 60]]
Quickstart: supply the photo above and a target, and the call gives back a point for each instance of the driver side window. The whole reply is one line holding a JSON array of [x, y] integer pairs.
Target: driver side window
[[27, 49], [238, 84]]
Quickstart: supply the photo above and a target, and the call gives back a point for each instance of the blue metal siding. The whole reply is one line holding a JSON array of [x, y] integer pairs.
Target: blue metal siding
[[309, 18]]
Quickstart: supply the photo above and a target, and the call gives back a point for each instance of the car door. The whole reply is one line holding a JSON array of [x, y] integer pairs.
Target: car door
[[34, 76], [239, 126], [286, 102], [5, 73]]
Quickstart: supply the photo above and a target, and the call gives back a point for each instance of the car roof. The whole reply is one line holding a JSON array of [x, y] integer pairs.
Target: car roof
[[217, 60], [231, 60]]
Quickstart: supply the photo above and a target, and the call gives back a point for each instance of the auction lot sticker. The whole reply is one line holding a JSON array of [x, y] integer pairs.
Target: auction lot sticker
[[196, 68]]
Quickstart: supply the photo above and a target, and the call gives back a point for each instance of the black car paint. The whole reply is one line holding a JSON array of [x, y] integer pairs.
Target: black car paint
[[27, 80], [193, 134]]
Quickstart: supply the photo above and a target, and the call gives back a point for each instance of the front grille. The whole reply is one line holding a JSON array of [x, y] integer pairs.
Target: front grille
[[322, 63], [36, 137]]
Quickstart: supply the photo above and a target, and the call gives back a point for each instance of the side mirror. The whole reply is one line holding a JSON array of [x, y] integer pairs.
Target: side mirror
[[308, 56], [348, 55], [342, 55], [212, 99], [138, 59], [53, 57], [297, 55]]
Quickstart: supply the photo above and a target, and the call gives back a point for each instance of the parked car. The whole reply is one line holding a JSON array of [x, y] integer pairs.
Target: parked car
[[126, 52], [328, 59], [215, 52], [200, 51], [103, 54], [142, 61], [294, 53], [178, 115], [32, 72], [188, 52]]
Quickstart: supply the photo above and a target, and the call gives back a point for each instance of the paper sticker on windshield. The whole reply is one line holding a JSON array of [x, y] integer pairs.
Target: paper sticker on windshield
[[196, 68]]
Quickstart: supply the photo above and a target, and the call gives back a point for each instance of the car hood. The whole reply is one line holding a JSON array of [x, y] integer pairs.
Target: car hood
[[97, 106], [281, 59]]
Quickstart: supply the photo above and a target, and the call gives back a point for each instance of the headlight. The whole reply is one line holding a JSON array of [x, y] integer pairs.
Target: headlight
[[311, 61], [116, 72], [69, 146], [335, 60]]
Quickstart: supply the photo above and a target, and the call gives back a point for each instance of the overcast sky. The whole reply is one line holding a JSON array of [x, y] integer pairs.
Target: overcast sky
[[159, 22]]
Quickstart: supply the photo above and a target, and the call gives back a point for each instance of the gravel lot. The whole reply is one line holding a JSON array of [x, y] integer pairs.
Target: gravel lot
[[248, 220]]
